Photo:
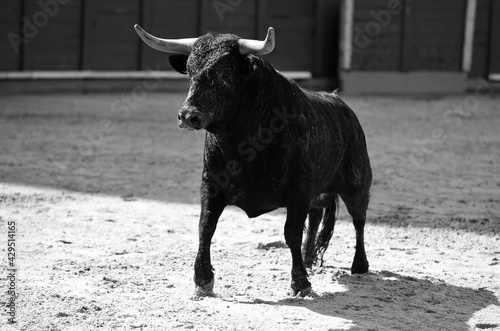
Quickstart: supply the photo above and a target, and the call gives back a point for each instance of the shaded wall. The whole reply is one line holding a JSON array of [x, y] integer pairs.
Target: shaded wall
[[427, 35], [99, 35]]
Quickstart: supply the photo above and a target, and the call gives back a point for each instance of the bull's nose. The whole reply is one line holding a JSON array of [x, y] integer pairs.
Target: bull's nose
[[195, 122], [189, 119]]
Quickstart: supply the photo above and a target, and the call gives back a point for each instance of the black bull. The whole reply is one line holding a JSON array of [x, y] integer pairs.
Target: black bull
[[271, 144]]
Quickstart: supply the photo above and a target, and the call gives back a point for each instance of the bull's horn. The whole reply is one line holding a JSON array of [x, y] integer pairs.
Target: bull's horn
[[258, 47], [178, 46]]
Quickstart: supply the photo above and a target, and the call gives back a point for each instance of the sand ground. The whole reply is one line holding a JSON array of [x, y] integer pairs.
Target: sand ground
[[103, 189]]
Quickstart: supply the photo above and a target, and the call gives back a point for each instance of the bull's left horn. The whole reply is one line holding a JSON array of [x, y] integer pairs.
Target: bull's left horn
[[178, 46], [258, 47]]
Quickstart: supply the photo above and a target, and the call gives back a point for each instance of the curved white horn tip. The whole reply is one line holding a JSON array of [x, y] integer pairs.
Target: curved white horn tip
[[270, 40], [270, 33], [138, 28]]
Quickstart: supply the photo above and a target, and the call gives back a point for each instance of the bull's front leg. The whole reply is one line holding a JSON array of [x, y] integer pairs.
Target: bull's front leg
[[212, 207], [296, 216]]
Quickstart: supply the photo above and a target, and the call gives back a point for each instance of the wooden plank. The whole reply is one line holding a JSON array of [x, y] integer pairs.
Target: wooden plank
[[113, 75], [406, 35], [494, 65], [347, 22], [294, 8], [436, 38], [172, 19], [480, 53], [470, 18], [10, 32], [261, 21], [376, 36], [295, 31], [404, 83], [56, 45], [222, 17], [110, 42], [327, 38]]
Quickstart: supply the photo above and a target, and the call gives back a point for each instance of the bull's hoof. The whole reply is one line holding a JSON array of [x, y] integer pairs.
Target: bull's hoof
[[301, 287], [302, 293], [205, 290], [359, 267]]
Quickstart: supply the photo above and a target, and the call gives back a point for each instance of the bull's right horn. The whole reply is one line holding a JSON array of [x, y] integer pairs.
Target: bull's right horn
[[258, 47], [178, 46]]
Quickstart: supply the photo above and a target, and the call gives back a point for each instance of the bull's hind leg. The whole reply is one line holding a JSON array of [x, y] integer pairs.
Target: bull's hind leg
[[296, 216], [357, 205], [315, 216]]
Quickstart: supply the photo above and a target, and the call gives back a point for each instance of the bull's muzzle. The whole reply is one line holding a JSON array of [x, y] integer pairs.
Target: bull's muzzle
[[189, 118]]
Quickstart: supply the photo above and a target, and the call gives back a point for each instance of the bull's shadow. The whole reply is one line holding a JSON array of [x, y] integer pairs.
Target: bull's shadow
[[389, 301]]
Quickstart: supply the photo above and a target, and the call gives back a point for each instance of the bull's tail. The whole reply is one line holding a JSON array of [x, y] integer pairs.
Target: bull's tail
[[324, 236]]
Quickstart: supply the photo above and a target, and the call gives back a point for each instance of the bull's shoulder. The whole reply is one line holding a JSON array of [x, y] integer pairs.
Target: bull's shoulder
[[330, 102], [330, 98], [329, 95]]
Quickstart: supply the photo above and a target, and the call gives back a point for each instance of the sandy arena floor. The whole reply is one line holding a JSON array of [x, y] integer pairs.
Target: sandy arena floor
[[104, 192]]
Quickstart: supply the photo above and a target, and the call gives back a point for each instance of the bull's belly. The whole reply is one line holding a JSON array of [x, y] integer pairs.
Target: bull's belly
[[255, 206], [262, 198], [257, 196], [257, 202], [256, 212]]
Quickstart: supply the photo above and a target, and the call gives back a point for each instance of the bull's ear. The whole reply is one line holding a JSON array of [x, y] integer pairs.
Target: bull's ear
[[253, 63], [179, 62]]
